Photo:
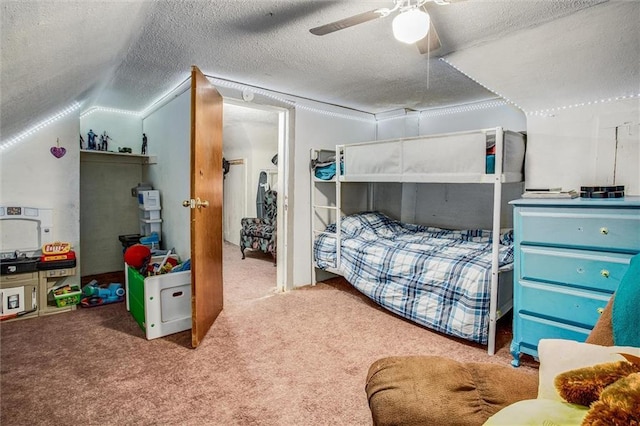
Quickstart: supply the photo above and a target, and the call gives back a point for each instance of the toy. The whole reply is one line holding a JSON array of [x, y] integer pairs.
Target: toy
[[162, 267], [152, 240], [143, 151], [184, 266], [91, 139], [610, 390], [104, 141], [96, 295], [137, 256]]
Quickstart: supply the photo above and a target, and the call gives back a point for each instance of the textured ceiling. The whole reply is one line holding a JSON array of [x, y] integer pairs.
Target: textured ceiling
[[125, 54]]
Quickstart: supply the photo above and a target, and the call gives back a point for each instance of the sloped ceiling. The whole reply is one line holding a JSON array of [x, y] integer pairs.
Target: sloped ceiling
[[126, 54], [592, 55]]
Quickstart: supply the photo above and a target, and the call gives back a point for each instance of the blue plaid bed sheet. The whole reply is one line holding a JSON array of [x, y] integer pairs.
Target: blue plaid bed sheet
[[435, 277]]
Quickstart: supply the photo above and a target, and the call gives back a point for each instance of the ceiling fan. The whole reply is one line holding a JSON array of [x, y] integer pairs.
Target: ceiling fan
[[411, 25]]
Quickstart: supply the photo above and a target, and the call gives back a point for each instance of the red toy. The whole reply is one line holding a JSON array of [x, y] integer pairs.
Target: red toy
[[137, 255]]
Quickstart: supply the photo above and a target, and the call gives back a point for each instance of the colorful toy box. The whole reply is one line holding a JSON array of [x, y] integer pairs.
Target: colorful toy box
[[160, 304]]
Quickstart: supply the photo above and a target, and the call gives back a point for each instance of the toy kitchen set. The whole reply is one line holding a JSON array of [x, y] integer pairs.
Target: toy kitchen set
[[33, 266]]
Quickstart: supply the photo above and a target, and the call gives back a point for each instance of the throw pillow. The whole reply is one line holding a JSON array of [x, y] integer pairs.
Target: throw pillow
[[557, 356], [539, 412]]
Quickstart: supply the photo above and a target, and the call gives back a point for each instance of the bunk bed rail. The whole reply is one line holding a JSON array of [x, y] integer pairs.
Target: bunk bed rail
[[445, 158]]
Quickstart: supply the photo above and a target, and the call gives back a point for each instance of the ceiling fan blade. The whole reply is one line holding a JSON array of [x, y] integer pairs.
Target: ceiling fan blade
[[431, 42], [346, 23]]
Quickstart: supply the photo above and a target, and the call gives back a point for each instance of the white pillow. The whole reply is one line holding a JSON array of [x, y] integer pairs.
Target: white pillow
[[557, 356], [539, 412]]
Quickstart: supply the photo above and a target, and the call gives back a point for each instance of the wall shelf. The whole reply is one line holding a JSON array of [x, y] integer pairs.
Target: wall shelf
[[118, 156]]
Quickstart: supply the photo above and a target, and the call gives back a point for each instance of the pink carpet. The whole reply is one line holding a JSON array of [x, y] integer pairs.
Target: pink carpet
[[296, 358]]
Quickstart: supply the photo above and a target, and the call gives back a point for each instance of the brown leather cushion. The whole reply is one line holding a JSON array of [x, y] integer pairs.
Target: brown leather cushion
[[430, 390]]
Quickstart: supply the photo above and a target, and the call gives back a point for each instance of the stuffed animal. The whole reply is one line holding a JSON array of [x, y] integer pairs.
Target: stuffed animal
[[610, 390]]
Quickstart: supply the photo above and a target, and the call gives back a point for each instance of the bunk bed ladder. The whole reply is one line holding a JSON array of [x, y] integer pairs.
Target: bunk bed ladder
[[316, 207]]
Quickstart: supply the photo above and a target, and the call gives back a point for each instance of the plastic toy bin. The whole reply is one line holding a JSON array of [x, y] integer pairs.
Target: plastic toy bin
[[67, 297], [160, 304]]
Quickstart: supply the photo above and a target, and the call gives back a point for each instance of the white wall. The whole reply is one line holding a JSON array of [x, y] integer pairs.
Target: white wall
[[168, 130], [480, 115], [31, 176], [457, 119], [257, 143], [404, 125], [577, 146], [315, 130]]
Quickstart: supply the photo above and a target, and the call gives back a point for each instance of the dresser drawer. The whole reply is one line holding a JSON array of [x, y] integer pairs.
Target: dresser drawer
[[533, 329], [574, 306], [600, 271], [606, 229]]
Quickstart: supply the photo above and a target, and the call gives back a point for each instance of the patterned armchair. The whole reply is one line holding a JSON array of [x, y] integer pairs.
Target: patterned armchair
[[260, 233]]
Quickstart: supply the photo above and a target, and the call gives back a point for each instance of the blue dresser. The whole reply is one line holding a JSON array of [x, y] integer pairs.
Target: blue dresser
[[570, 256]]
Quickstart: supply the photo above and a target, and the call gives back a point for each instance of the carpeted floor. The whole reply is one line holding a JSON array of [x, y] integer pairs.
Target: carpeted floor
[[295, 358]]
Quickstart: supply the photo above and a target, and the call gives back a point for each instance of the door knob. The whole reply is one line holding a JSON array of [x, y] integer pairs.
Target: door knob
[[197, 203]]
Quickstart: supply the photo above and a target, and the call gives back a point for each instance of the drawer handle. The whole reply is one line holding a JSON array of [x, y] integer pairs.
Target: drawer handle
[[600, 310], [604, 273], [604, 231]]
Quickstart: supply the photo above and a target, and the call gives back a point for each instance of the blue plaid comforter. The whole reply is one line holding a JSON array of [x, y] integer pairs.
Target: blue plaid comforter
[[435, 277]]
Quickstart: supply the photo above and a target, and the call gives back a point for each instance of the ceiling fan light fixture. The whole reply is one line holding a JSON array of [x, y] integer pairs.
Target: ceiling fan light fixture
[[411, 26]]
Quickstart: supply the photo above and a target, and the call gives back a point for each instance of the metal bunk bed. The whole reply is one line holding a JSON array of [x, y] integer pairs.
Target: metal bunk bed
[[459, 157]]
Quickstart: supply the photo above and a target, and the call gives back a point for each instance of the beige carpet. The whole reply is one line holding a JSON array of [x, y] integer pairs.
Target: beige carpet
[[298, 358]]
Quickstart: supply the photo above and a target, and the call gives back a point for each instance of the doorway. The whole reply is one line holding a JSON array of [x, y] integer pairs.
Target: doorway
[[253, 139]]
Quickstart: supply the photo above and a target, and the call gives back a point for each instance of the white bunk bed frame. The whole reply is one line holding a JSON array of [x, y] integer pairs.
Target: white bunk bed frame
[[514, 173]]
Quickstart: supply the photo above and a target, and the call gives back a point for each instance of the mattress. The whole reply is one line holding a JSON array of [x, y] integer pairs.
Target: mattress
[[435, 277]]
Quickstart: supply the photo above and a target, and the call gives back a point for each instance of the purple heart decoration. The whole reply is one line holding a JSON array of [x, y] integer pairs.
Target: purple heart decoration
[[58, 151]]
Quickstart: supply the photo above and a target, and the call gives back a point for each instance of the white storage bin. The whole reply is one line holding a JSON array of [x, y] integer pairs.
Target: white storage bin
[[149, 200], [149, 226], [149, 214], [161, 304]]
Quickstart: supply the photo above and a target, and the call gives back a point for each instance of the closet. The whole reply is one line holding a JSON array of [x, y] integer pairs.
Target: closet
[[108, 208]]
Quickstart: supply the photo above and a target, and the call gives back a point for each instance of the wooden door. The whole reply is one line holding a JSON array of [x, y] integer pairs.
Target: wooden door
[[206, 205]]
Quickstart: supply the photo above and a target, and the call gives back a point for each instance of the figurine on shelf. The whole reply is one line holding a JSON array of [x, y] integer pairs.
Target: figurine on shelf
[[144, 144], [91, 139], [81, 142], [104, 141]]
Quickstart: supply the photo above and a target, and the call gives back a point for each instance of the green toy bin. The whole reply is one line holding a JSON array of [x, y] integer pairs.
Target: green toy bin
[[67, 296]]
